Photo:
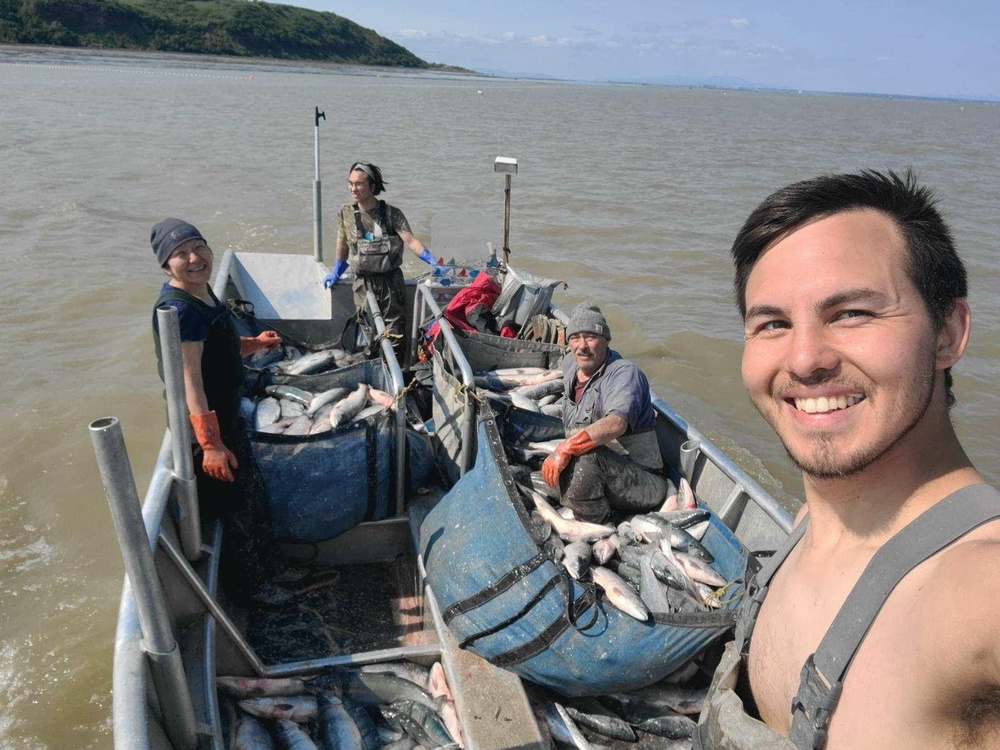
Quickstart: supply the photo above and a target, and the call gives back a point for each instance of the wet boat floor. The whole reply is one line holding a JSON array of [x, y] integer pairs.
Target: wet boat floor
[[344, 609]]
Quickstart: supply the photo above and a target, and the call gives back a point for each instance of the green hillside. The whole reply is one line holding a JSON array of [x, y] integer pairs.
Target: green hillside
[[217, 27]]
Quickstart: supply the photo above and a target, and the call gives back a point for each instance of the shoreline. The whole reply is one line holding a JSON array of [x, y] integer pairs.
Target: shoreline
[[239, 62], [273, 64]]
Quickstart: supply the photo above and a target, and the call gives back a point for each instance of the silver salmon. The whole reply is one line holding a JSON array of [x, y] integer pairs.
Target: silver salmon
[[289, 392], [349, 406], [405, 669], [622, 596], [299, 708], [293, 737], [576, 559], [251, 734], [337, 730], [268, 412], [309, 363], [253, 687], [651, 590], [300, 426], [571, 530], [326, 397]]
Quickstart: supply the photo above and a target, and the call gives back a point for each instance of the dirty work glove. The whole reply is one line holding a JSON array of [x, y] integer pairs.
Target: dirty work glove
[[266, 340], [334, 276], [566, 451], [218, 461]]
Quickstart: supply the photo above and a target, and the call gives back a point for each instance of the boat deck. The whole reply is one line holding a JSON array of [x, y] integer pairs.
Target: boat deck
[[350, 609]]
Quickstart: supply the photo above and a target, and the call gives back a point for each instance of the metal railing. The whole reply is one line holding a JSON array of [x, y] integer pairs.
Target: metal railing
[[137, 540], [398, 384], [428, 309]]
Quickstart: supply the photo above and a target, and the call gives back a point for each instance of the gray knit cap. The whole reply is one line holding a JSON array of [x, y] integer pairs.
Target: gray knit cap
[[169, 235], [588, 318]]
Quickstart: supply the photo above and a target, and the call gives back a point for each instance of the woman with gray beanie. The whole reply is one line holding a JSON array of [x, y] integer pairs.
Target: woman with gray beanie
[[212, 358]]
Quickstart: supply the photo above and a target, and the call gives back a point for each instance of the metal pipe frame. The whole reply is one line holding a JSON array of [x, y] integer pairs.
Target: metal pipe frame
[[285, 669], [749, 486], [317, 200], [690, 450], [166, 666], [189, 517], [506, 220], [222, 274], [211, 698], [131, 729], [465, 370], [396, 373]]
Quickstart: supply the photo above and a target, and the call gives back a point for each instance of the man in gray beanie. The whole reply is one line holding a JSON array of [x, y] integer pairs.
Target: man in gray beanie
[[607, 400]]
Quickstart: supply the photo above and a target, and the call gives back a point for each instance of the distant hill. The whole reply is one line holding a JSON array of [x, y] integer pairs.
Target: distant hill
[[217, 27]]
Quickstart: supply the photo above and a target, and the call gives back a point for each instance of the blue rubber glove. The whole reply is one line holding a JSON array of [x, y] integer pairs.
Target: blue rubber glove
[[333, 277], [426, 257]]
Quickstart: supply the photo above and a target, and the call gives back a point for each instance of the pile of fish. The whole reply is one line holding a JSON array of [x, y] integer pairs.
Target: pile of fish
[[287, 410], [666, 711], [290, 360], [646, 564], [529, 388], [393, 705]]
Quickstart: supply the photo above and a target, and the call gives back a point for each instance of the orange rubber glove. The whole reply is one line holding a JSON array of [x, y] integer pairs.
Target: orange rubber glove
[[251, 344], [567, 450], [217, 461]]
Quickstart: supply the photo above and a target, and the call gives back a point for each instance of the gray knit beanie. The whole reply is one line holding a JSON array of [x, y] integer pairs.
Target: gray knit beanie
[[169, 235], [588, 318]]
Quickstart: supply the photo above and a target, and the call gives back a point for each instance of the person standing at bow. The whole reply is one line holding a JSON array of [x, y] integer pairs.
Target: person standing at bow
[[370, 238], [212, 354]]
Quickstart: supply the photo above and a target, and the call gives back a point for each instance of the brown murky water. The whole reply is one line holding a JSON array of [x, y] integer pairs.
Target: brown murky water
[[631, 194]]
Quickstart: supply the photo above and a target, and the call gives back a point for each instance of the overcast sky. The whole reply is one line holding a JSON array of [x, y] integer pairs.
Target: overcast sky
[[911, 47]]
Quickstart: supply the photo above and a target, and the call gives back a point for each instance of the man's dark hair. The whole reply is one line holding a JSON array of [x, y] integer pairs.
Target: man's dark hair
[[932, 264], [375, 181]]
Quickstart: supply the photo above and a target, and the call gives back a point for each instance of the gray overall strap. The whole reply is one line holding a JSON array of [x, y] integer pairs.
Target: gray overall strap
[[929, 533], [758, 585]]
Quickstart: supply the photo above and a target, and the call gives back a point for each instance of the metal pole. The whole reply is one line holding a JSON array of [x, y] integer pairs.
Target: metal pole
[[202, 592], [317, 197], [506, 219], [166, 667], [396, 373], [465, 372], [189, 519], [689, 457]]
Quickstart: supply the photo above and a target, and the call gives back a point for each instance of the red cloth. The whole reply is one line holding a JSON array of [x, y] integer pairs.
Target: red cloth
[[482, 291]]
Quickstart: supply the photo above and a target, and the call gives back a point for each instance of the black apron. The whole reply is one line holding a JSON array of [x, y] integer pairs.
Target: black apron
[[221, 361]]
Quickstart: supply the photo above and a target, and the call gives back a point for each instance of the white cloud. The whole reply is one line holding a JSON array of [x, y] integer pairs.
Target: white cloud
[[509, 36], [413, 34], [739, 23], [540, 41]]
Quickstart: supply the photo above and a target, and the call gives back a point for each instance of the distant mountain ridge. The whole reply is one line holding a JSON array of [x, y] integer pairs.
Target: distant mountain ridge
[[219, 27]]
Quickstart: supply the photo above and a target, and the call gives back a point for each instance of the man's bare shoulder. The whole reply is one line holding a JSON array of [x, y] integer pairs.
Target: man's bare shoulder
[[930, 665], [960, 595]]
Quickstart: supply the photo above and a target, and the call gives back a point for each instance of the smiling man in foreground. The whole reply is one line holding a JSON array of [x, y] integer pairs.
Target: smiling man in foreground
[[875, 625]]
